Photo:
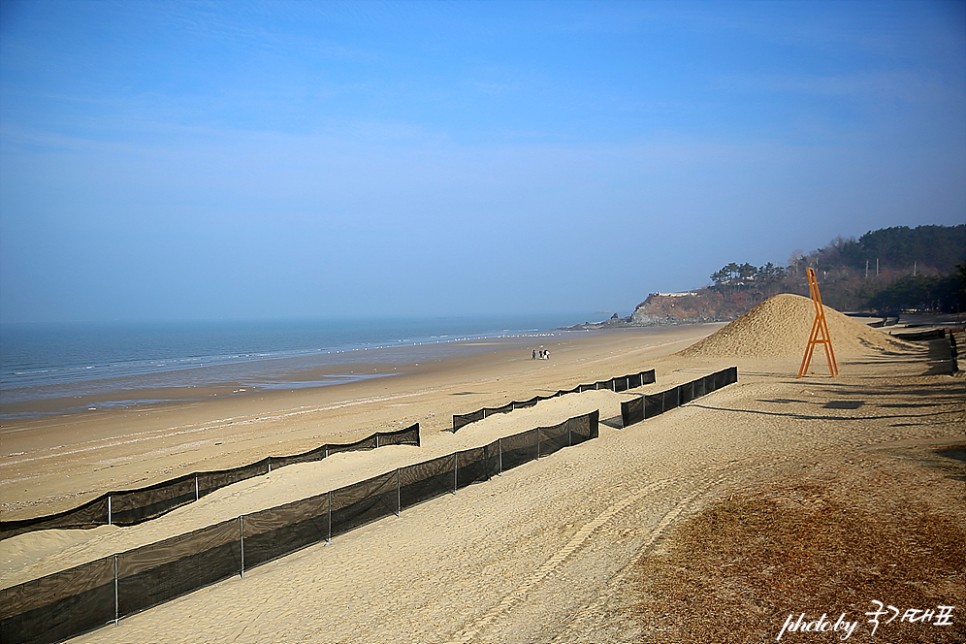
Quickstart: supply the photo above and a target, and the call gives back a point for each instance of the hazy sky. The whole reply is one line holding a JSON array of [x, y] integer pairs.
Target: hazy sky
[[207, 160]]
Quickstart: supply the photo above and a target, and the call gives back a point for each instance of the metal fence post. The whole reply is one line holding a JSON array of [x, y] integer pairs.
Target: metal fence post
[[398, 494], [241, 541], [196, 487], [116, 604], [328, 512], [109, 518]]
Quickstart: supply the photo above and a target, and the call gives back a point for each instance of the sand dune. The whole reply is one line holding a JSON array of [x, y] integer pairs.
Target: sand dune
[[780, 327]]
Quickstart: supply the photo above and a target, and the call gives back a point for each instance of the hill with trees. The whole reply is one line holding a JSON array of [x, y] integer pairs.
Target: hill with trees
[[884, 271]]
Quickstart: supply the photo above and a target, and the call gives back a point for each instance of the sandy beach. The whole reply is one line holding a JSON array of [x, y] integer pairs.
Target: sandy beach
[[553, 551]]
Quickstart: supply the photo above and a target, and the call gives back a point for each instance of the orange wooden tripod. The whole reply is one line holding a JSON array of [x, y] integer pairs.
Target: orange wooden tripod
[[819, 333]]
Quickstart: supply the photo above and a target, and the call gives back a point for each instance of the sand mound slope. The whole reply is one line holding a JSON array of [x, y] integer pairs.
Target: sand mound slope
[[779, 327]]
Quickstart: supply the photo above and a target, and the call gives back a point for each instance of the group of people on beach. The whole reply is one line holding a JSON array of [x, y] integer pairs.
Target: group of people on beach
[[544, 354]]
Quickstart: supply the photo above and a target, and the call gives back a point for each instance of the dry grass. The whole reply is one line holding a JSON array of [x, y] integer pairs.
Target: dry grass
[[829, 542]]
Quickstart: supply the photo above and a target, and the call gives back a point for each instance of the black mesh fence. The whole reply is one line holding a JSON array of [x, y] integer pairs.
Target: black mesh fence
[[519, 449], [933, 334], [621, 383], [408, 436], [276, 532], [461, 420], [129, 507], [471, 466], [423, 481], [363, 502], [91, 514], [650, 405], [632, 411], [551, 439], [584, 428], [526, 403], [953, 353], [685, 393], [361, 445], [158, 572], [67, 603], [137, 506], [208, 482], [494, 459], [58, 606], [317, 454]]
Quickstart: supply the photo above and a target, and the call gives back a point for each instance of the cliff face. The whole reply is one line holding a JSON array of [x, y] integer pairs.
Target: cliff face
[[704, 305]]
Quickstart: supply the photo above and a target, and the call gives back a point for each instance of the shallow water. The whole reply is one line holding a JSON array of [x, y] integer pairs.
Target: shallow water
[[63, 368]]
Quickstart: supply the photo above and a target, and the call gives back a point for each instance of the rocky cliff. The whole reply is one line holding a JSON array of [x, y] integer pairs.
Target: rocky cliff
[[703, 305]]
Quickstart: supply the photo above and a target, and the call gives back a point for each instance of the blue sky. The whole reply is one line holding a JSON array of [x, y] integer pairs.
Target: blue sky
[[222, 160]]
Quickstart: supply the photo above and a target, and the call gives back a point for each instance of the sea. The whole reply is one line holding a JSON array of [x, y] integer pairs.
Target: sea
[[66, 368]]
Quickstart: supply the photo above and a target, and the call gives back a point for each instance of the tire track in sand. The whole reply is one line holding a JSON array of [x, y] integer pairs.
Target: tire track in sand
[[606, 597], [519, 594]]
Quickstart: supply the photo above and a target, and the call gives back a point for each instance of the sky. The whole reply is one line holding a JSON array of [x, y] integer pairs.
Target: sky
[[271, 160]]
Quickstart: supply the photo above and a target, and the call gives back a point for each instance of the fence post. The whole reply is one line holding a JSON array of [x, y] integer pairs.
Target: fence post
[[116, 605], [269, 461], [196, 487], [241, 541], [456, 471], [328, 496], [377, 440], [109, 518], [398, 494]]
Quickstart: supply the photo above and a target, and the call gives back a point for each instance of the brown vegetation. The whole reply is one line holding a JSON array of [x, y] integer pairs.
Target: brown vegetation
[[827, 542]]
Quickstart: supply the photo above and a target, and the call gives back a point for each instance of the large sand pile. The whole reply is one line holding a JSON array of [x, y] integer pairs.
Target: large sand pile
[[780, 326]]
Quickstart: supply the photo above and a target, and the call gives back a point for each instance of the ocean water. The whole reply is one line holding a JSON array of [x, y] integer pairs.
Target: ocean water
[[47, 369]]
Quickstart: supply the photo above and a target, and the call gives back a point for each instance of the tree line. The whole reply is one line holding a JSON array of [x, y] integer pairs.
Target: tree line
[[885, 271]]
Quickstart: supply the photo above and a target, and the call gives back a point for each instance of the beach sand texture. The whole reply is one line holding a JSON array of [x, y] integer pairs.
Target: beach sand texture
[[546, 552]]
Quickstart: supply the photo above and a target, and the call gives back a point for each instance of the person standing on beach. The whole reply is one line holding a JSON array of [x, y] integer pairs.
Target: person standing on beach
[[533, 356]]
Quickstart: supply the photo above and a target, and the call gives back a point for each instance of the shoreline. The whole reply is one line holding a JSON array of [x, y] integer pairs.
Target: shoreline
[[307, 371], [56, 462]]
